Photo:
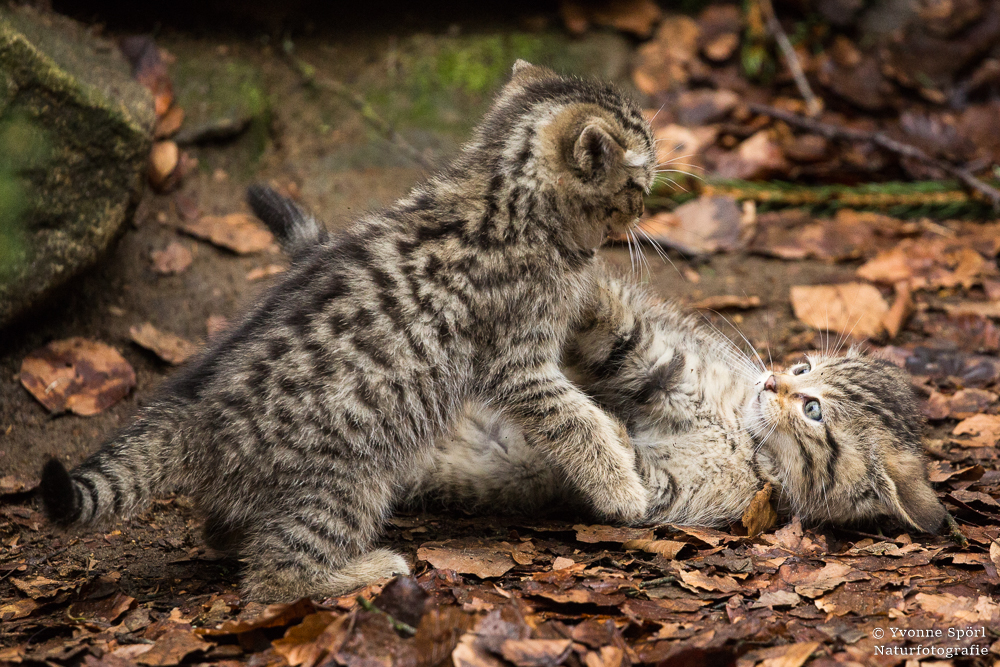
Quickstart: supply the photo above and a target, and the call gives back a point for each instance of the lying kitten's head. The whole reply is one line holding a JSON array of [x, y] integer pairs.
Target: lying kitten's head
[[846, 440], [579, 148]]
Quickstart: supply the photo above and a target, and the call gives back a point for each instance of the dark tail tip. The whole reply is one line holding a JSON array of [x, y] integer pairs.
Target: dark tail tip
[[293, 227], [58, 493]]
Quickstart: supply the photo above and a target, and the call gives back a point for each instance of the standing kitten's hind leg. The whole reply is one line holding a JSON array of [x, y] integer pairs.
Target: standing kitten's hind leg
[[284, 577]]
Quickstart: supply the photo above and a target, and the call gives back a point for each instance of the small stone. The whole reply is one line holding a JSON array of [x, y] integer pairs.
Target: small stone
[[163, 160]]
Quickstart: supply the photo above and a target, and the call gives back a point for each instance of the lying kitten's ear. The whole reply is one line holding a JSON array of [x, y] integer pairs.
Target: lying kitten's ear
[[913, 499], [596, 152]]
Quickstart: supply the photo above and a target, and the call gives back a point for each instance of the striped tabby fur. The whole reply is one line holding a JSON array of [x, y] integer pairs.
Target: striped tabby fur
[[709, 429], [298, 430]]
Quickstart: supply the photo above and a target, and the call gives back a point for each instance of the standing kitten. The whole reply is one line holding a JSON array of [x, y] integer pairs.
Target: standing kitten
[[296, 431], [838, 436]]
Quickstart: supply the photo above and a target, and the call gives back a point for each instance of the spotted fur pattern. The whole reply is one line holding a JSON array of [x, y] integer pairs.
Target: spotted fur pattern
[[709, 430], [296, 432]]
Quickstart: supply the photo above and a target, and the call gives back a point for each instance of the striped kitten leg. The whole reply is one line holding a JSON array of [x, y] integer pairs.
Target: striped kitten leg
[[559, 420], [316, 545]]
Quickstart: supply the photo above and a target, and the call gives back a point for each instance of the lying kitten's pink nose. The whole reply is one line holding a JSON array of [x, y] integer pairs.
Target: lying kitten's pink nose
[[771, 384]]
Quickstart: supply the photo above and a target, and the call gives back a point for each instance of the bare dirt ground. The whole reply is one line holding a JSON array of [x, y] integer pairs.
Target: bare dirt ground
[[558, 592]]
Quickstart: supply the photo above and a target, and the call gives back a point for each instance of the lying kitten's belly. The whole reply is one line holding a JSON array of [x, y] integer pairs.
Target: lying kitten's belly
[[484, 465]]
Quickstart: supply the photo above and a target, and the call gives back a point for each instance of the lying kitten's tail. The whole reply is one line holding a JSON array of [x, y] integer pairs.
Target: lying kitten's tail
[[117, 480], [295, 229]]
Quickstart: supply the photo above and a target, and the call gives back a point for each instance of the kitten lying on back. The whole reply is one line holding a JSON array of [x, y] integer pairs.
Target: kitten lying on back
[[837, 436], [297, 430]]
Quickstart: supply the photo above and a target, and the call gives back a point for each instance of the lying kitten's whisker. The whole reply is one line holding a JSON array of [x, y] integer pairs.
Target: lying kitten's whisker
[[657, 114], [763, 367]]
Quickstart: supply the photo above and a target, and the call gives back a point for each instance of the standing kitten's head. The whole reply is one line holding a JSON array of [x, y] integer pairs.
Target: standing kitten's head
[[567, 151], [845, 441]]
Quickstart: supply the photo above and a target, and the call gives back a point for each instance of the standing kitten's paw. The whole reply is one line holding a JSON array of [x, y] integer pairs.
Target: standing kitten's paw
[[266, 582], [615, 490]]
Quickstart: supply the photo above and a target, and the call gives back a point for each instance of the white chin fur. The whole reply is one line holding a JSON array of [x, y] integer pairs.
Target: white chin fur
[[633, 159]]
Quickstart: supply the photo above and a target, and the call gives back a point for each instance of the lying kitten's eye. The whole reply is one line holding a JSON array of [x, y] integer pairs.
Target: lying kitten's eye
[[813, 410], [801, 369]]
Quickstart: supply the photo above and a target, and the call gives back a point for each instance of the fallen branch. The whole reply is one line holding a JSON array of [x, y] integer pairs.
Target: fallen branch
[[883, 141], [813, 105], [360, 104]]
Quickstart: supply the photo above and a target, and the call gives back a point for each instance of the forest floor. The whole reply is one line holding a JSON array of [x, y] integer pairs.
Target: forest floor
[[491, 590]]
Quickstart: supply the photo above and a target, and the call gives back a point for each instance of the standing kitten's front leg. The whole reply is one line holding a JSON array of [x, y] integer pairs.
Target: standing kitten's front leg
[[592, 448]]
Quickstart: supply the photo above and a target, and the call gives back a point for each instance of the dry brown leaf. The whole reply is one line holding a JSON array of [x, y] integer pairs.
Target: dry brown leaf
[[482, 561], [172, 349], [658, 610], [756, 158], [175, 258], [536, 652], [561, 563], [666, 548], [777, 599], [727, 301], [795, 655], [633, 16], [106, 609], [664, 62], [619, 534], [238, 232], [985, 430], [169, 123], [272, 616], [698, 579], [980, 308], [76, 374], [855, 308], [760, 516], [826, 579], [22, 608], [699, 227], [172, 648], [994, 555], [902, 307], [265, 271], [310, 642], [957, 609], [928, 264]]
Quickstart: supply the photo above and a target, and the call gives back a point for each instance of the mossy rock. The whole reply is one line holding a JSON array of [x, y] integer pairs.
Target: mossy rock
[[75, 134]]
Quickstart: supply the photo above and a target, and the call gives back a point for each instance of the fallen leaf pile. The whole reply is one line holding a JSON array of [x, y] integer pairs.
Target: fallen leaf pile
[[550, 594]]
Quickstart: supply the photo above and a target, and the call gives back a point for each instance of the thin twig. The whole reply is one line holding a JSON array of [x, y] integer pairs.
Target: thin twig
[[657, 582], [813, 104], [360, 104], [883, 141], [397, 625]]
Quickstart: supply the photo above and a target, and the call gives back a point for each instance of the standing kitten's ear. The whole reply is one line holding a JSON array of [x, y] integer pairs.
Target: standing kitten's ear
[[596, 152], [913, 498], [524, 72]]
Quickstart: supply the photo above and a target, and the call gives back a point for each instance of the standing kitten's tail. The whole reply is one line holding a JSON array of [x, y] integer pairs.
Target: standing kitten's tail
[[117, 480], [295, 229]]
